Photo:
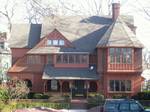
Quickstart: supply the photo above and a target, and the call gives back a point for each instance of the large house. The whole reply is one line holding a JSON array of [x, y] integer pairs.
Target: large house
[[79, 55]]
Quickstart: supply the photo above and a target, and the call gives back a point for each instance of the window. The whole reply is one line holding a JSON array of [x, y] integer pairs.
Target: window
[[33, 59], [119, 85], [49, 59], [129, 55], [49, 42], [2, 45], [120, 55], [55, 42], [54, 85], [128, 85], [122, 85], [72, 58], [112, 56], [61, 42]]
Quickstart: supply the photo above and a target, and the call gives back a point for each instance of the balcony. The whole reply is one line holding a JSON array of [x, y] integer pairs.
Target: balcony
[[124, 68]]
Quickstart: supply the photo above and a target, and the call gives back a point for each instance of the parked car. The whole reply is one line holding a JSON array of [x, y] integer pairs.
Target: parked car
[[123, 105]]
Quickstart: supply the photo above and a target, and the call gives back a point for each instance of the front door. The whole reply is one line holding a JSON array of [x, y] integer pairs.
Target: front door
[[79, 88]]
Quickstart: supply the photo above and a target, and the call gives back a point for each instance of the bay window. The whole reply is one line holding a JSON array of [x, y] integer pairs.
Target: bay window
[[120, 55]]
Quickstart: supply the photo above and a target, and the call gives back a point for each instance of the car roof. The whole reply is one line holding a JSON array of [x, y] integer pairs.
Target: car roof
[[119, 100]]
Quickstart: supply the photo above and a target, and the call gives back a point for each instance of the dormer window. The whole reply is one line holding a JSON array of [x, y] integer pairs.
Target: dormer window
[[56, 42]]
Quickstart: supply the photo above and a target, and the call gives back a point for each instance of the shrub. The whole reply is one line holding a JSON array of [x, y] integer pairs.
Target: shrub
[[40, 96], [142, 96], [119, 96], [37, 96], [95, 100]]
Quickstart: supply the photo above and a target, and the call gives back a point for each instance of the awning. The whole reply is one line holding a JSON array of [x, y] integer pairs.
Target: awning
[[70, 73]]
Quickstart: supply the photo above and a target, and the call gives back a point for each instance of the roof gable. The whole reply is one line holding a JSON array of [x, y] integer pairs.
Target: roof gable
[[43, 48]]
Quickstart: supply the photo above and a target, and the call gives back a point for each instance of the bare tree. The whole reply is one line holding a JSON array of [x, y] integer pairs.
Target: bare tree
[[88, 7], [8, 13], [36, 10]]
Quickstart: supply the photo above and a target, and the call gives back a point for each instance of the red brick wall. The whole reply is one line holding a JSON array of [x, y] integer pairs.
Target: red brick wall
[[36, 79], [136, 81], [18, 52]]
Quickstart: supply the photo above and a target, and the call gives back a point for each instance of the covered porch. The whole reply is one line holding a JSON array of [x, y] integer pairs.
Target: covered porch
[[73, 82]]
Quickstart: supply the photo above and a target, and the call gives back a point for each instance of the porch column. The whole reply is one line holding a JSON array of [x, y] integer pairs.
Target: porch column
[[87, 88], [98, 86], [60, 82], [45, 86], [70, 87]]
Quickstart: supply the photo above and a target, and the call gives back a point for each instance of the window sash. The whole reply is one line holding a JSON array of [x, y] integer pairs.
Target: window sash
[[55, 42], [61, 42]]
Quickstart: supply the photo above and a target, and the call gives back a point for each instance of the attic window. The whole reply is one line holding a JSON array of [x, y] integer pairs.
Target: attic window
[[55, 42], [49, 42], [61, 42]]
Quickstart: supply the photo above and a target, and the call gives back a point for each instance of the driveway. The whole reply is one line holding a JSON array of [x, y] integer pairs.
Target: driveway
[[48, 110]]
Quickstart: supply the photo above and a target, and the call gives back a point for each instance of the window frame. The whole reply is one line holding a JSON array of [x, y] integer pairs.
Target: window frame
[[113, 87]]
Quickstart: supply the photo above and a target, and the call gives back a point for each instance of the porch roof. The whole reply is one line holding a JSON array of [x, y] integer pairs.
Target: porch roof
[[70, 73]]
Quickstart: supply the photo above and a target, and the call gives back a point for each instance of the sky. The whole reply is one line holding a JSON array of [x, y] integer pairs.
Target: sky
[[130, 7]]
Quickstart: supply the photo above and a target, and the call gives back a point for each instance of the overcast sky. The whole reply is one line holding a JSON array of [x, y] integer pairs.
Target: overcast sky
[[130, 7]]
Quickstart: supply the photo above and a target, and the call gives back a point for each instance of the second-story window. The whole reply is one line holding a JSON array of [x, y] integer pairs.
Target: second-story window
[[72, 59], [120, 55]]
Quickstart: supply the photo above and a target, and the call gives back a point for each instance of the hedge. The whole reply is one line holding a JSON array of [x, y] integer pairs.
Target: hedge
[[142, 96]]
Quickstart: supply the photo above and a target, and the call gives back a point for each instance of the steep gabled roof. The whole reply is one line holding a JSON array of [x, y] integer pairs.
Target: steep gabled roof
[[119, 35]]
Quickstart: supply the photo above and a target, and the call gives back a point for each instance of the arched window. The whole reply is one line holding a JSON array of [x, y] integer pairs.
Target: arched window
[[65, 87], [93, 86]]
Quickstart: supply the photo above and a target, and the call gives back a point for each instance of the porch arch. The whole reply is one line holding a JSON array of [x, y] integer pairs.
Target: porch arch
[[93, 86], [29, 83], [65, 86]]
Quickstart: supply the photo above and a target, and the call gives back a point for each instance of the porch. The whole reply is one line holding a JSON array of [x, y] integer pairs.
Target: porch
[[71, 88], [77, 82]]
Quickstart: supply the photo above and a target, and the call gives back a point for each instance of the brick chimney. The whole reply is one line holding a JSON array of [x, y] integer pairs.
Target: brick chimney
[[115, 10]]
